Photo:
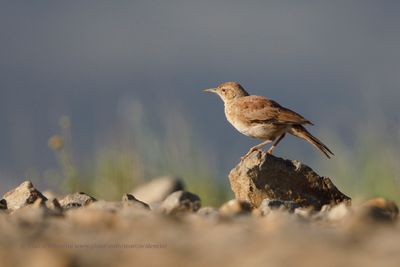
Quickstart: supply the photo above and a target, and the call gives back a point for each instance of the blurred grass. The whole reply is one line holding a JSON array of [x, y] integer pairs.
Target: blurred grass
[[370, 165], [137, 151]]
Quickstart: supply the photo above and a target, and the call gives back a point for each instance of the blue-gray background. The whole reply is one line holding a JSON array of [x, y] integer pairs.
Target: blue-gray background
[[335, 62]]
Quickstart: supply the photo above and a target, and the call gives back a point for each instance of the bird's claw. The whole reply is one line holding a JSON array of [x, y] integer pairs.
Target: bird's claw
[[249, 153]]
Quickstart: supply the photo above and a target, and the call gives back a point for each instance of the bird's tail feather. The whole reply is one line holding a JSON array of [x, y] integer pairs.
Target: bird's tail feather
[[300, 131]]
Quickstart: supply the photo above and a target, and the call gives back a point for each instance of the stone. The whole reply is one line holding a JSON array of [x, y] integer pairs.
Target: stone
[[158, 189], [338, 212], [134, 212], [3, 204], [54, 205], [102, 205], [209, 214], [380, 210], [267, 205], [304, 213], [47, 207], [24, 194], [235, 207], [29, 215], [39, 204], [76, 200], [262, 175], [129, 199], [208, 211], [36, 212], [180, 202], [92, 216]]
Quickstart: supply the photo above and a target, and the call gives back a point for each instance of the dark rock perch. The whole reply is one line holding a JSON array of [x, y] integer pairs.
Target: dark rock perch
[[263, 176]]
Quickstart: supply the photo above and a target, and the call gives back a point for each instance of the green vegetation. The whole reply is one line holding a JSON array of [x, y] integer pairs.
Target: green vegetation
[[136, 153], [371, 166]]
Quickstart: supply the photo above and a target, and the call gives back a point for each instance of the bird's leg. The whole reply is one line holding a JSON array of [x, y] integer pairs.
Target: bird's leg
[[275, 144], [255, 148]]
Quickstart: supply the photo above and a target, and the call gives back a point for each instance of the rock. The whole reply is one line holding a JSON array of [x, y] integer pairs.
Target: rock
[[338, 212], [304, 213], [158, 189], [180, 202], [263, 175], [76, 200], [208, 211], [129, 199], [54, 205], [24, 194], [380, 210], [38, 204], [133, 212], [3, 204], [114, 206], [210, 214], [93, 217], [102, 205], [36, 212], [29, 215], [47, 207], [267, 205], [235, 207]]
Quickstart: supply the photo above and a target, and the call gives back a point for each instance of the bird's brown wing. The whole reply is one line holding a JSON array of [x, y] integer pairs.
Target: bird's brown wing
[[258, 109]]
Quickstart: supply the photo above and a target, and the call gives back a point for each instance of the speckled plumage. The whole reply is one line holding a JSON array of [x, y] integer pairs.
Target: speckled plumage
[[262, 118]]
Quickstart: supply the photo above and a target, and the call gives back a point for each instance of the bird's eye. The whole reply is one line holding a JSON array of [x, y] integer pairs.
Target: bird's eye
[[223, 90]]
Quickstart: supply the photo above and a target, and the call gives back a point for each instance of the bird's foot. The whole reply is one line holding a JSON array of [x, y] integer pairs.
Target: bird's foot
[[269, 151], [249, 153], [244, 157]]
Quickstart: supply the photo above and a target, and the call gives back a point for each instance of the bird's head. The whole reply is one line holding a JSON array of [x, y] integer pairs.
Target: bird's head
[[228, 91]]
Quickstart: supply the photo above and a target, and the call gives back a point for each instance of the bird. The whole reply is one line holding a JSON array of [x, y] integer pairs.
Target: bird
[[263, 118]]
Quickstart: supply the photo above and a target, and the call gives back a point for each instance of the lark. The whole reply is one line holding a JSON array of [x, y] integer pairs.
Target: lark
[[263, 118]]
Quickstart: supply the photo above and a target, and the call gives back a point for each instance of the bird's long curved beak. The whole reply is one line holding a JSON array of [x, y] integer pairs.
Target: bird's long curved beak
[[210, 90]]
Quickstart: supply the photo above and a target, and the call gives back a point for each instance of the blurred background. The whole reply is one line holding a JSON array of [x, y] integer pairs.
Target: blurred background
[[99, 96]]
